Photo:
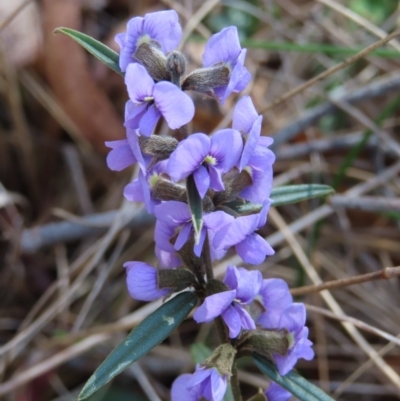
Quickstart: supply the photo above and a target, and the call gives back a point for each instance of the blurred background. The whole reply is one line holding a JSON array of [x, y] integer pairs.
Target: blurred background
[[65, 229]]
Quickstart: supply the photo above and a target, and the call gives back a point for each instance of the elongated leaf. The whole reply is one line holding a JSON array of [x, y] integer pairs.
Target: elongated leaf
[[195, 205], [293, 382], [297, 193], [108, 56], [149, 333]]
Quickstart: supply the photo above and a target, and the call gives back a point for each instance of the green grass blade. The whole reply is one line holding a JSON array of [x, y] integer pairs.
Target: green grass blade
[[297, 193]]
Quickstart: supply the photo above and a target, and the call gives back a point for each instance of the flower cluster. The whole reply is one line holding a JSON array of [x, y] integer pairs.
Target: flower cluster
[[228, 173]]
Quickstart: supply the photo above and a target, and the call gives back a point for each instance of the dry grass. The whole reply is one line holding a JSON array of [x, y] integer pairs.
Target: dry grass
[[64, 282]]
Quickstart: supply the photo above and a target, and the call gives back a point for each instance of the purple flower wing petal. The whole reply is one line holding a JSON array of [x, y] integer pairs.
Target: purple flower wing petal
[[174, 212], [163, 232], [249, 285], [232, 320], [188, 156], [214, 220], [246, 320], [163, 27], [213, 306], [121, 156], [199, 246], [120, 39], [128, 42], [223, 46], [179, 391], [183, 236], [133, 114], [202, 180], [226, 147], [216, 182], [141, 280], [149, 120], [254, 249], [293, 318], [133, 191], [232, 277], [175, 105], [277, 393], [275, 294], [244, 115], [218, 386], [139, 83], [167, 259], [133, 139], [260, 190], [251, 143], [265, 141]]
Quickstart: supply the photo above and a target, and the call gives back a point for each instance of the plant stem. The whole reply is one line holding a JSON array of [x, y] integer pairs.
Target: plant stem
[[237, 395]]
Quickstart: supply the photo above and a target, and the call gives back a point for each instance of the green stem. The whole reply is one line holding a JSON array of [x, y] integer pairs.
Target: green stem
[[237, 395]]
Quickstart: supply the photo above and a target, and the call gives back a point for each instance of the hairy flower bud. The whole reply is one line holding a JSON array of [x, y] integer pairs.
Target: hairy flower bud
[[266, 343], [154, 61], [204, 80], [166, 190], [215, 286], [222, 359], [176, 65], [160, 147], [175, 279], [234, 182]]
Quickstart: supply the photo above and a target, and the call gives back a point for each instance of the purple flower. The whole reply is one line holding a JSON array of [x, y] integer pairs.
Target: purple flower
[[259, 167], [229, 305], [150, 101], [275, 297], [174, 215], [224, 47], [161, 27], [277, 393], [292, 319], [126, 152], [204, 382], [251, 247], [207, 158], [167, 259], [141, 280], [139, 190]]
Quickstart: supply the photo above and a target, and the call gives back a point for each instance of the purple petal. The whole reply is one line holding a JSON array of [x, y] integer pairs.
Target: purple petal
[[226, 147], [133, 139], [120, 156], [164, 28], [251, 143], [128, 42], [139, 83], [214, 220], [232, 277], [149, 120], [202, 180], [223, 46], [175, 105], [183, 236], [134, 113], [244, 115], [141, 280], [232, 320], [216, 182], [254, 249], [188, 156], [199, 246], [213, 306], [260, 190], [133, 191], [265, 141], [246, 321], [275, 294], [174, 212], [167, 259], [293, 318], [163, 232], [277, 393], [179, 391], [120, 39], [249, 285], [200, 376], [218, 386]]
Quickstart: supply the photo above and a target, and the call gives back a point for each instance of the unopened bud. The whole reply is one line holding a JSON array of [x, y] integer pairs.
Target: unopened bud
[[175, 279], [204, 80], [234, 183], [176, 65], [153, 60], [215, 286], [166, 190], [160, 147], [222, 359]]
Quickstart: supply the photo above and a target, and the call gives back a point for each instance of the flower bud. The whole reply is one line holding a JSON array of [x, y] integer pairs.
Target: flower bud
[[160, 147], [204, 80], [215, 286], [166, 190], [234, 183], [153, 60], [266, 343], [176, 65], [175, 279], [222, 359]]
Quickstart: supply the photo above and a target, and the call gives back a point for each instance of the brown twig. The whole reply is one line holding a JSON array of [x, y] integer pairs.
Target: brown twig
[[368, 203], [384, 274]]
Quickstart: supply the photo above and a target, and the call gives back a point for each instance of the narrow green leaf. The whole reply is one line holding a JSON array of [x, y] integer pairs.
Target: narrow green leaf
[[297, 193], [108, 56], [293, 382], [196, 206], [149, 333], [246, 208], [200, 352]]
